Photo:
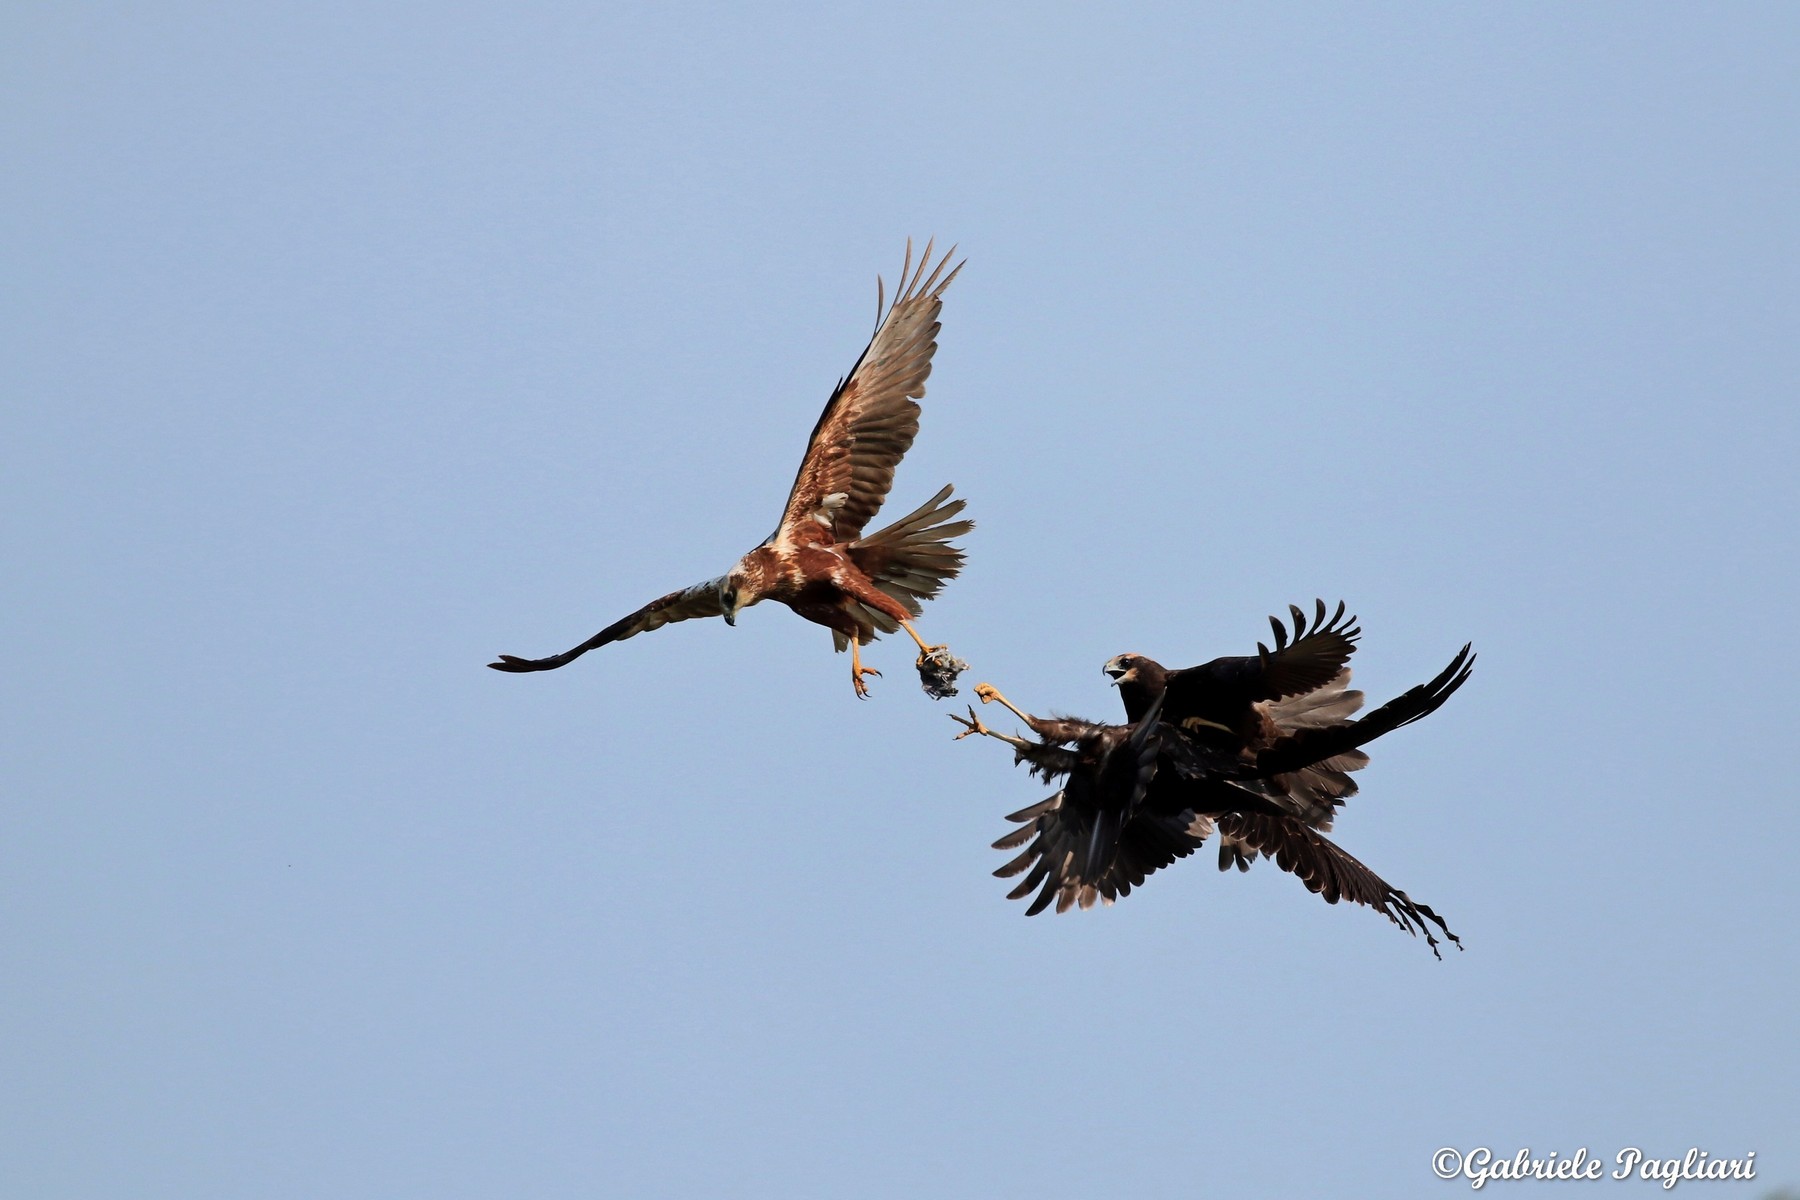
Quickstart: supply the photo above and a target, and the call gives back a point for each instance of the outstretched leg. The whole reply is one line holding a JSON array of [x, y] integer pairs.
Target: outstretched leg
[[990, 694], [972, 725], [924, 650], [857, 670]]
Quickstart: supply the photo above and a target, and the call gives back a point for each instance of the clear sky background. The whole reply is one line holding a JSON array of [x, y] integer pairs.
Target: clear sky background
[[347, 346]]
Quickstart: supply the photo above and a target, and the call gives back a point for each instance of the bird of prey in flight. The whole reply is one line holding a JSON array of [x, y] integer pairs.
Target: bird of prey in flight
[[819, 562], [1256, 748]]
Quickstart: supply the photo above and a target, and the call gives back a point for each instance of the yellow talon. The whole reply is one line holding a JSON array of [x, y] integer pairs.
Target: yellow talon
[[972, 725], [924, 650], [857, 671], [990, 694]]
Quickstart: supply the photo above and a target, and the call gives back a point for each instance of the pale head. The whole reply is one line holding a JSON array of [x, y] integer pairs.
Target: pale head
[[734, 593]]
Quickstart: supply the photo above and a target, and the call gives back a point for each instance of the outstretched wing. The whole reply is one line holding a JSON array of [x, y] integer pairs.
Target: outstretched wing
[[1090, 843], [871, 419], [1146, 844], [1304, 747], [1325, 868], [701, 600], [1220, 690]]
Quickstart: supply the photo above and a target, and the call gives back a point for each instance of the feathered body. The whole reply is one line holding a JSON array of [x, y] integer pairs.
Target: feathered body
[[861, 588], [818, 562], [1256, 750]]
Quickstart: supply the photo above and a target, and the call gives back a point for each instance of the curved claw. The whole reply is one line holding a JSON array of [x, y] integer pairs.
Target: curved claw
[[926, 652], [971, 725], [856, 674]]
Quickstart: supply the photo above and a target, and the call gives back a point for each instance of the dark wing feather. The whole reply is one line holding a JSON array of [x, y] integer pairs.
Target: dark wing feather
[[1221, 689], [1090, 842], [871, 419], [1304, 747], [1328, 870], [1102, 795], [701, 600], [1142, 845]]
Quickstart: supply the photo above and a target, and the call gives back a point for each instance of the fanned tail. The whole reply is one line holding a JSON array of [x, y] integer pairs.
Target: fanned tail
[[912, 559]]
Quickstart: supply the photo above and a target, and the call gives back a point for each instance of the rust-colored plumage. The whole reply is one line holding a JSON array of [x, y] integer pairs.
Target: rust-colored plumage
[[818, 561]]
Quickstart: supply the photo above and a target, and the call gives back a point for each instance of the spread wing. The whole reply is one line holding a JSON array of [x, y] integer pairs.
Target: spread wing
[[701, 600], [1325, 868], [1219, 690], [1090, 843], [1305, 747], [871, 419], [1146, 844]]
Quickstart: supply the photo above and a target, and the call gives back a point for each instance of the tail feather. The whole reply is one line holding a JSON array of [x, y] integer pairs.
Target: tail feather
[[912, 559]]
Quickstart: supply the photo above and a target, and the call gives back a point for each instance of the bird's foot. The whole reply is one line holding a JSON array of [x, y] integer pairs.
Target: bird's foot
[[987, 693], [856, 674], [926, 652], [971, 725]]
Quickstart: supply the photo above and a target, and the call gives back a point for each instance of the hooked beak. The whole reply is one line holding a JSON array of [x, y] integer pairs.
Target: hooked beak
[[731, 617], [1115, 670]]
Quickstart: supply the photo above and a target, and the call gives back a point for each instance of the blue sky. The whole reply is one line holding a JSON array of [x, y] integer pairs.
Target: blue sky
[[348, 346]]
